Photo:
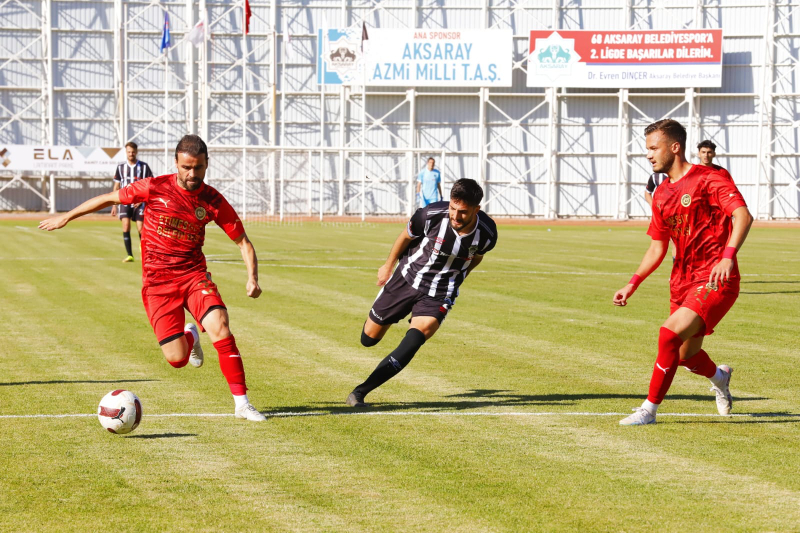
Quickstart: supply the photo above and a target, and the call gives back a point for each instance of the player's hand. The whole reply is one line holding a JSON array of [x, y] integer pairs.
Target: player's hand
[[384, 273], [253, 290], [54, 223], [622, 295], [721, 271], [113, 210]]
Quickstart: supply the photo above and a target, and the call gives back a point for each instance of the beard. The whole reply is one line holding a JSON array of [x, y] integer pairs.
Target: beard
[[190, 185], [665, 166], [458, 227]]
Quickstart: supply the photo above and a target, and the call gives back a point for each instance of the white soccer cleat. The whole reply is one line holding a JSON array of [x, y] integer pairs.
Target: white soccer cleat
[[640, 417], [196, 355], [248, 412], [724, 398]]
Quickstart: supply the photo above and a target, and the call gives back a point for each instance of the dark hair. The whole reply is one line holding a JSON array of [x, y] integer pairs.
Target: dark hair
[[431, 159], [192, 145], [467, 191], [672, 130], [707, 144], [131, 144]]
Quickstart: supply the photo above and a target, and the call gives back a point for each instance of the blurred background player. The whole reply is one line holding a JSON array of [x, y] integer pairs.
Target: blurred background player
[[706, 151], [693, 208], [429, 184], [653, 181], [127, 173], [174, 267], [439, 247]]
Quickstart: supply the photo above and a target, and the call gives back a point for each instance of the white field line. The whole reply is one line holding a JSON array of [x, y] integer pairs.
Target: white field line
[[418, 413], [346, 267]]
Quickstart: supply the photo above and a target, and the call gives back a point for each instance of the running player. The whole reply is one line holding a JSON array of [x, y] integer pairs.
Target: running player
[[694, 209], [174, 267], [127, 173], [441, 245]]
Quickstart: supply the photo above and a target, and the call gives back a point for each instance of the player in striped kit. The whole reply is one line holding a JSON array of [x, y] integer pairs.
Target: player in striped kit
[[441, 245], [127, 173]]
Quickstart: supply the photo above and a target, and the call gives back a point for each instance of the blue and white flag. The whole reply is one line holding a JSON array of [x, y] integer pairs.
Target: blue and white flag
[[166, 41]]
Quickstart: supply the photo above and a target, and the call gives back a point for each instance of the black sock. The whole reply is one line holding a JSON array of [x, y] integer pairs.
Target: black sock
[[393, 363], [126, 236], [368, 341]]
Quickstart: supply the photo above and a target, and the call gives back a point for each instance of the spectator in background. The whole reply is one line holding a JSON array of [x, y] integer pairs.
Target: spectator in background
[[429, 184]]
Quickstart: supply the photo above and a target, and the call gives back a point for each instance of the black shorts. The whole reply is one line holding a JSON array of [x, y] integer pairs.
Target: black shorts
[[130, 211], [398, 298]]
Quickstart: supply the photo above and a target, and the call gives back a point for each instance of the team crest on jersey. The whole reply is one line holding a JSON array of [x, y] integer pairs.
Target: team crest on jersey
[[200, 213], [473, 250], [686, 199]]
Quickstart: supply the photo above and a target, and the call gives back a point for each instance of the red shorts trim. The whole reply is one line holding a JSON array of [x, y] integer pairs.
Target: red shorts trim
[[165, 302], [710, 303]]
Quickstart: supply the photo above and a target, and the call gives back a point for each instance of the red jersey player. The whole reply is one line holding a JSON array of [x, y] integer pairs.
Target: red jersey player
[[694, 208], [174, 267]]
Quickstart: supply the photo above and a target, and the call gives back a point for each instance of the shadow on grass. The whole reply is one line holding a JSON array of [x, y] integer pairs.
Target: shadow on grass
[[752, 418], [770, 292], [162, 436], [69, 381], [481, 398]]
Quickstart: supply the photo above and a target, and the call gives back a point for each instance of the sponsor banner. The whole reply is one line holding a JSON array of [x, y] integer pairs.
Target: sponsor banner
[[625, 59], [78, 159], [417, 58]]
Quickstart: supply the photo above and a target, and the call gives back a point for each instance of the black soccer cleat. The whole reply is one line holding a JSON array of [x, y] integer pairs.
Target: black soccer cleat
[[355, 399]]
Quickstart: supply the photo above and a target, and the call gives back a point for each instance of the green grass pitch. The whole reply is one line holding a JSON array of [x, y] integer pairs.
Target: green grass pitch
[[503, 422]]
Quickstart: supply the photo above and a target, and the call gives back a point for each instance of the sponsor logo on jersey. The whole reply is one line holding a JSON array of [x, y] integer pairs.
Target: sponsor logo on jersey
[[163, 201], [686, 199], [200, 213]]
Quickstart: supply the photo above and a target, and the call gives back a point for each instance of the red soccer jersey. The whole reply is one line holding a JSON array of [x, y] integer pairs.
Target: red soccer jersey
[[175, 225], [695, 213]]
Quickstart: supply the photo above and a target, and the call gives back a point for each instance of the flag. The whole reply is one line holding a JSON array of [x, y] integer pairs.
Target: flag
[[364, 36], [198, 34], [166, 42], [288, 36], [247, 15]]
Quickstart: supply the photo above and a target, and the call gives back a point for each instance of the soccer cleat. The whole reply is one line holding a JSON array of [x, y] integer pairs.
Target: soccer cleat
[[196, 355], [248, 412], [128, 259], [355, 399], [640, 417], [724, 398]]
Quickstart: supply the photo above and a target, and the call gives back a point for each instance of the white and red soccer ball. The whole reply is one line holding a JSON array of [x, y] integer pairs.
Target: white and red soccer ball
[[120, 411]]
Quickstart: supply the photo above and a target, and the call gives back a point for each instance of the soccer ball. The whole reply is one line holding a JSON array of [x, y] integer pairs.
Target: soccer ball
[[120, 411]]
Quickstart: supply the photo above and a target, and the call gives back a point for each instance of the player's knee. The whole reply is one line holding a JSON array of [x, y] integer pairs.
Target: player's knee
[[368, 341], [176, 352]]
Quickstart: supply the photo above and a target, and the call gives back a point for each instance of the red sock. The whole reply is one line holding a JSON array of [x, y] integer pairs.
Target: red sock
[[230, 362], [669, 345], [701, 364], [182, 363]]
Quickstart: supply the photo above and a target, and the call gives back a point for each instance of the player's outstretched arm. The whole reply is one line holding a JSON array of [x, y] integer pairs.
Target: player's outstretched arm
[[652, 258], [89, 206], [251, 262], [400, 245], [742, 220]]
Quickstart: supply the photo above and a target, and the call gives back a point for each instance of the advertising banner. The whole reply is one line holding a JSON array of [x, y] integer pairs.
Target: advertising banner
[[416, 58], [625, 59], [78, 159]]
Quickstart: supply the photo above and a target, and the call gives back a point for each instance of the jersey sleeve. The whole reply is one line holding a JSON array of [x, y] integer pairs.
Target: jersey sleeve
[[723, 193], [651, 185], [419, 176], [136, 192], [658, 230], [227, 219], [117, 176], [416, 225], [147, 172], [438, 177]]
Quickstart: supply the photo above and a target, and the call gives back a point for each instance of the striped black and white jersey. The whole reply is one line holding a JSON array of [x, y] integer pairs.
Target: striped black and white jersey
[[436, 262], [655, 180], [127, 174]]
